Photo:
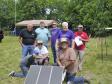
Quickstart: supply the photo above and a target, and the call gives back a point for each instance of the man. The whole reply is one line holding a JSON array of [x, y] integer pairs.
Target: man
[[66, 59], [41, 53], [54, 35], [66, 33], [27, 39], [25, 65], [80, 47], [43, 34], [39, 57]]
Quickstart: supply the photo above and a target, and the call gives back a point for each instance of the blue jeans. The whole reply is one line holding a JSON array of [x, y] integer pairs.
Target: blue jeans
[[27, 49], [74, 79], [19, 74], [54, 53], [24, 68]]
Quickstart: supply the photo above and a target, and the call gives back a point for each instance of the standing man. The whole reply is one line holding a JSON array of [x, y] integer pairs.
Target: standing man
[[54, 35], [27, 39], [80, 49], [43, 34], [66, 33]]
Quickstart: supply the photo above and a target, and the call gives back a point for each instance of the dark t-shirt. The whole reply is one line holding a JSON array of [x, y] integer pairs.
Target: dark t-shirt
[[30, 62], [1, 34], [28, 38]]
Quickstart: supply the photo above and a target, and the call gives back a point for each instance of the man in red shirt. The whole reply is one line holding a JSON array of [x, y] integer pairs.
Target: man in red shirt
[[81, 38]]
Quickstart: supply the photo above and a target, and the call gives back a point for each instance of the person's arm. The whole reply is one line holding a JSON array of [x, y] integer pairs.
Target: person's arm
[[59, 62], [20, 41], [21, 38], [73, 43], [35, 42], [69, 62], [72, 37], [85, 38], [57, 44], [48, 34], [45, 55], [49, 38]]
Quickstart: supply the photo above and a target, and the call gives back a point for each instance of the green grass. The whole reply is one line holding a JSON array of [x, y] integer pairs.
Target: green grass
[[100, 72]]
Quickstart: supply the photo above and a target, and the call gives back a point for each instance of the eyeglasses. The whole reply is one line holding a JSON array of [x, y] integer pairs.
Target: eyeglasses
[[40, 44]]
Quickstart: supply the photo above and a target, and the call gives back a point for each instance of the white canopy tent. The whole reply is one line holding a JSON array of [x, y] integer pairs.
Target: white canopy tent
[[34, 22]]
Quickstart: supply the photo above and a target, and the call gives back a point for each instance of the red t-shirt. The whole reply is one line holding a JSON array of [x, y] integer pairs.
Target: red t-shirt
[[83, 35]]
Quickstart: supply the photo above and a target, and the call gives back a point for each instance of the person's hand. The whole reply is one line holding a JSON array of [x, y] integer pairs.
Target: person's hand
[[62, 67], [22, 45], [34, 45], [80, 38], [49, 44]]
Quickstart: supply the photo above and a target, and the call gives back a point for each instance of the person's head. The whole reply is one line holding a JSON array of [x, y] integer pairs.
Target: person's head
[[39, 44], [80, 28], [65, 26], [64, 43], [42, 24], [30, 27], [54, 24]]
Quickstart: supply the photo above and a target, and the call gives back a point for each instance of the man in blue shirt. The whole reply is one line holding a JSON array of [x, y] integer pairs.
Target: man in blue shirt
[[43, 34], [66, 33]]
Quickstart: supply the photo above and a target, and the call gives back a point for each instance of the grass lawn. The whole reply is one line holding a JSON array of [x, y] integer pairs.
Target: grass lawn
[[99, 71]]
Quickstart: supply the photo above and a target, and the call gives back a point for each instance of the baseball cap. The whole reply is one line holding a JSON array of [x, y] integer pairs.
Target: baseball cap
[[80, 26], [63, 40], [39, 41]]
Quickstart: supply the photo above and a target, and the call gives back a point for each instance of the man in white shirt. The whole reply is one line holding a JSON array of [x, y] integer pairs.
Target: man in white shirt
[[39, 57], [41, 53]]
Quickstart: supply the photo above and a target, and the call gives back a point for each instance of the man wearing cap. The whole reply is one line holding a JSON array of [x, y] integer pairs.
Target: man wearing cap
[[66, 59], [54, 35], [43, 34], [39, 57], [66, 33], [41, 53], [80, 48]]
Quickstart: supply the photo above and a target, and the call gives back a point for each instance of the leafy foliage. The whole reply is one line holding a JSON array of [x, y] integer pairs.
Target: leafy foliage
[[94, 14]]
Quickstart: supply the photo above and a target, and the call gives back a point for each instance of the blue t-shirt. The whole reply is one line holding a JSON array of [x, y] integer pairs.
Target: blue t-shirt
[[43, 34], [54, 35], [66, 34]]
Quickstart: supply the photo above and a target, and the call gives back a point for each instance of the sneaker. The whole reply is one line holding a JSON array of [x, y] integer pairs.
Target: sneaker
[[86, 81], [11, 73]]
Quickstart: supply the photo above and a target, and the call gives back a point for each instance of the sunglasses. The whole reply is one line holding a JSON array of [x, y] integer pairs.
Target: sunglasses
[[40, 44]]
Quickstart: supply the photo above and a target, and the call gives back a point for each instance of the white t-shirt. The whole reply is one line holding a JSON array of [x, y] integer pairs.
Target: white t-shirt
[[41, 51]]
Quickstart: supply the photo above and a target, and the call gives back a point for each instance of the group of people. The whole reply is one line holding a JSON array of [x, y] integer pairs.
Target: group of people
[[67, 47]]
